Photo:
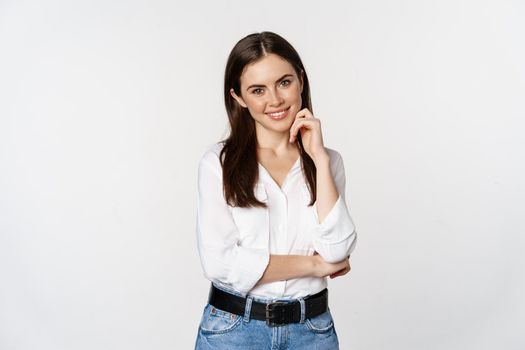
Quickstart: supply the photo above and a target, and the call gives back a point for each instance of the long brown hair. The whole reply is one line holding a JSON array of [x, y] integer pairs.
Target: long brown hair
[[240, 171]]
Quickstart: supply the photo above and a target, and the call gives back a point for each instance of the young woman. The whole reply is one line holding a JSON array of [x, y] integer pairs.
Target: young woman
[[272, 222]]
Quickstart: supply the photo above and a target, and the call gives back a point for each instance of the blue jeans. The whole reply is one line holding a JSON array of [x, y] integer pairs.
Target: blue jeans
[[219, 329]]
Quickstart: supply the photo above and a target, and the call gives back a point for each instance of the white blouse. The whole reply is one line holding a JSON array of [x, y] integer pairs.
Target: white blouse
[[234, 243]]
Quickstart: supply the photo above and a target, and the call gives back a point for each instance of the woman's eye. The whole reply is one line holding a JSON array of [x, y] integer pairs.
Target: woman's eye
[[285, 81], [257, 91]]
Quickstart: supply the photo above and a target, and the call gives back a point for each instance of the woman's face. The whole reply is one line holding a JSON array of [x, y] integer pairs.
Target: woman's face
[[271, 90]]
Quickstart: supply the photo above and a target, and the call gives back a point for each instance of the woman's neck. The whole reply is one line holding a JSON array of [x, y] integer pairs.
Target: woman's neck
[[275, 142], [280, 150]]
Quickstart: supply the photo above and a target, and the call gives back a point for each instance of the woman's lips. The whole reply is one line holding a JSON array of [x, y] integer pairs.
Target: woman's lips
[[279, 115]]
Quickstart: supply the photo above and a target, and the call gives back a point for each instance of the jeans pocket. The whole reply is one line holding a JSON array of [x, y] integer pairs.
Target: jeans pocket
[[216, 321], [322, 323]]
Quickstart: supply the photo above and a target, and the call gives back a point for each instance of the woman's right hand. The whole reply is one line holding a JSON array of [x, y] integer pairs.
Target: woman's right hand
[[323, 268]]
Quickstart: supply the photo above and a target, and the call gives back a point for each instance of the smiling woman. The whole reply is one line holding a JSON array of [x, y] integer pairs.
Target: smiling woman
[[278, 99], [272, 221]]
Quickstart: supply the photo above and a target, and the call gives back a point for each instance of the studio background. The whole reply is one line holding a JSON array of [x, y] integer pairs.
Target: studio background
[[107, 106]]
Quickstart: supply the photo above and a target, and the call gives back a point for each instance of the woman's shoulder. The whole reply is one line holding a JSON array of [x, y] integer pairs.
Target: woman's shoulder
[[335, 157], [334, 154], [212, 153]]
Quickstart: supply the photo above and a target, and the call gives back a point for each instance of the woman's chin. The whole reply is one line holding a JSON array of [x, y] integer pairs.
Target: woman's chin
[[281, 129]]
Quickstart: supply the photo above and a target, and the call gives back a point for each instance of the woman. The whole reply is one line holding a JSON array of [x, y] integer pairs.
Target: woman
[[272, 222]]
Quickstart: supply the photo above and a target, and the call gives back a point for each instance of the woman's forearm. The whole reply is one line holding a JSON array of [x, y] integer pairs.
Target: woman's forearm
[[326, 190], [285, 267]]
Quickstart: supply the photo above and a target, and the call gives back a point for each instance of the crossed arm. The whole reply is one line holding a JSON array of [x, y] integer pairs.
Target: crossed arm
[[243, 267], [285, 267]]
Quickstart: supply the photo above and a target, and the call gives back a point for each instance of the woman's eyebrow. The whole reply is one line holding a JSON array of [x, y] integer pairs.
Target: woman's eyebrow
[[278, 80]]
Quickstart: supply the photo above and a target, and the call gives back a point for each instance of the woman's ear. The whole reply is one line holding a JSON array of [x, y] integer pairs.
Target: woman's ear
[[237, 98]]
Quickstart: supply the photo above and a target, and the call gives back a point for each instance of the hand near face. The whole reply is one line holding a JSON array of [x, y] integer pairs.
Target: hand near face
[[310, 129]]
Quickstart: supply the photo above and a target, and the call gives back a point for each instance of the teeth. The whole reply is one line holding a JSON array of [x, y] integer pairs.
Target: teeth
[[277, 114]]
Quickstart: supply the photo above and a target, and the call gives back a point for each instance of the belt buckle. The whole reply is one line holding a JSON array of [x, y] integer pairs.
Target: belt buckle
[[271, 309]]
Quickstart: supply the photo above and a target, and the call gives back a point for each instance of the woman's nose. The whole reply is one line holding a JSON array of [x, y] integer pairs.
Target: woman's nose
[[276, 98]]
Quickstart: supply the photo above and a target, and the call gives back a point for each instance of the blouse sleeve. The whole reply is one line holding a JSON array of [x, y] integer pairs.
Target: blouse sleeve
[[222, 258], [335, 238]]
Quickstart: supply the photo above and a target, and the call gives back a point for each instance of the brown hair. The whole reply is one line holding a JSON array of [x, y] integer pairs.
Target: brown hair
[[240, 170]]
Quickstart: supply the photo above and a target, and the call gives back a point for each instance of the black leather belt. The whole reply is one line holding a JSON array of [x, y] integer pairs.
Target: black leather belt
[[275, 313]]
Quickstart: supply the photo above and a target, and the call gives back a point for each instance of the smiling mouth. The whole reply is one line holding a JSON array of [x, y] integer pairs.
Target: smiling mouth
[[279, 115]]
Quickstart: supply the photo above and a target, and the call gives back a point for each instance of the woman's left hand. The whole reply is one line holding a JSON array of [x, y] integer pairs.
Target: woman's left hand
[[343, 271], [310, 128]]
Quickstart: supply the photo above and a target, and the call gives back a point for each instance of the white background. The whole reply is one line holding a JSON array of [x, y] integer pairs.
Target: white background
[[107, 106]]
